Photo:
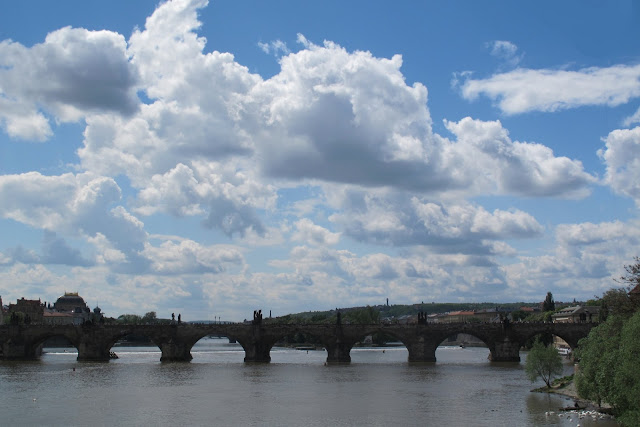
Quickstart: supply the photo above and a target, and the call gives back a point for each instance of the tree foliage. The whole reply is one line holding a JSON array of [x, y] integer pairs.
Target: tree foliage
[[616, 301], [632, 278], [609, 359], [598, 359], [543, 362], [149, 318], [549, 304], [627, 379], [129, 319], [363, 316]]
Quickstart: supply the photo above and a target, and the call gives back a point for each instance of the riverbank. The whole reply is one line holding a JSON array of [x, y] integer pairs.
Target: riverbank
[[566, 387]]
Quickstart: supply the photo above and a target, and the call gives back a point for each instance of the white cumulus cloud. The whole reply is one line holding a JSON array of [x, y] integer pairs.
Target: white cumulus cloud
[[524, 90], [622, 159], [73, 73]]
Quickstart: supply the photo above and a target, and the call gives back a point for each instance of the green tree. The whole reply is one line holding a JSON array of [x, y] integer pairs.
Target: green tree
[[598, 358], [543, 362], [626, 385], [129, 319], [364, 316], [608, 370], [616, 301], [549, 304], [150, 317], [518, 315]]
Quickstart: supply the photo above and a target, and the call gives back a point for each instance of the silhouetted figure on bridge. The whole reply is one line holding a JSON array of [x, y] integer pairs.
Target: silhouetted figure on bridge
[[173, 317], [179, 318], [505, 320], [422, 318], [339, 318], [257, 317]]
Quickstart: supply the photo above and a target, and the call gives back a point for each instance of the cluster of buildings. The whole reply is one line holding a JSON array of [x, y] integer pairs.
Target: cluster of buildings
[[496, 315], [569, 314], [69, 309]]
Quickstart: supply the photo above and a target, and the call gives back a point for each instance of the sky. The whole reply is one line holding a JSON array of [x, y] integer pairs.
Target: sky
[[215, 158]]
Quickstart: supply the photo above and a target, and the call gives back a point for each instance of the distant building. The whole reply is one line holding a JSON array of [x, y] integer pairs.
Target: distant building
[[576, 314], [491, 314], [458, 316], [485, 315], [55, 318], [73, 308], [26, 311]]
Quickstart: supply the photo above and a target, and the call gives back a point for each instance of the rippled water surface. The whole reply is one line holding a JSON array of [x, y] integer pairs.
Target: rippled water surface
[[378, 388]]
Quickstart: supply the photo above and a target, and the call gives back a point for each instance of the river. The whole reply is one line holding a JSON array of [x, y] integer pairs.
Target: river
[[379, 388]]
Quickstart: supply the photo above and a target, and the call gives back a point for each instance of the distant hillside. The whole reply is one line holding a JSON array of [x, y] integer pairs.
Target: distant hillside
[[378, 312]]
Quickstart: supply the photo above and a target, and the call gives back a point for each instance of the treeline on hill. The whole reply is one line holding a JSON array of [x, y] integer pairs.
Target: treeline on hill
[[376, 314], [149, 318], [609, 358]]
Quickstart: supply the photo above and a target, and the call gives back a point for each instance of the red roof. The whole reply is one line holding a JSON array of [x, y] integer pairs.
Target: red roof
[[462, 313]]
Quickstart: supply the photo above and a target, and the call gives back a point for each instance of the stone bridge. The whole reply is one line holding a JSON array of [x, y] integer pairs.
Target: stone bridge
[[94, 342]]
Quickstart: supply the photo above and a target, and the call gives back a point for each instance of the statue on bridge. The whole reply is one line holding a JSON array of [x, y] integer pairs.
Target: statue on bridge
[[339, 318], [257, 317], [422, 318]]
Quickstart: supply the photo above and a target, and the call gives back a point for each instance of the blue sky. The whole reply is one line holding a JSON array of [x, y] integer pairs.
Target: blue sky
[[213, 159]]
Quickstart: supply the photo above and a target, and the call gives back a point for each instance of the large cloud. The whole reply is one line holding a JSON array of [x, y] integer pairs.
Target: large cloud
[[586, 259], [345, 117], [622, 158], [502, 166], [85, 206], [335, 276], [403, 220], [524, 90], [329, 115], [226, 196], [77, 205], [55, 250], [74, 72]]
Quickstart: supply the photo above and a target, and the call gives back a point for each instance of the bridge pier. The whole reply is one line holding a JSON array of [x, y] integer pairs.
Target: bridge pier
[[19, 350], [422, 350], [257, 348], [339, 352], [93, 351], [505, 351], [257, 352], [175, 351]]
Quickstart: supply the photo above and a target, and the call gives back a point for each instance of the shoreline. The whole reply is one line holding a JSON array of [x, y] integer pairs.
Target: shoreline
[[568, 390]]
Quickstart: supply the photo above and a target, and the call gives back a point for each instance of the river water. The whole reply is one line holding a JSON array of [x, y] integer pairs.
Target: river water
[[378, 388]]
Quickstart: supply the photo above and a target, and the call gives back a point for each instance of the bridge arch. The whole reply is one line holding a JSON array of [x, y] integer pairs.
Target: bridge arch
[[133, 335], [33, 347], [571, 334]]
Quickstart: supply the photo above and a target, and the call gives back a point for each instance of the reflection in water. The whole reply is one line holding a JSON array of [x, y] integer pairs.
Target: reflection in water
[[297, 388]]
